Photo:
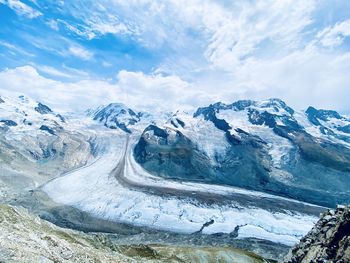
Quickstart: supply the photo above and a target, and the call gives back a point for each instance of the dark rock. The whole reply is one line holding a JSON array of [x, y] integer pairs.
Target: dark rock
[[61, 117], [317, 170], [209, 114], [182, 124], [315, 115], [25, 121], [328, 241], [157, 131], [9, 122], [345, 129], [47, 129], [123, 127], [174, 124], [42, 109], [257, 118], [242, 104]]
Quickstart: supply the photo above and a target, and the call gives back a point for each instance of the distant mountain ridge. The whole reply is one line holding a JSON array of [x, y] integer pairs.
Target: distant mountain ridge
[[258, 145], [264, 146]]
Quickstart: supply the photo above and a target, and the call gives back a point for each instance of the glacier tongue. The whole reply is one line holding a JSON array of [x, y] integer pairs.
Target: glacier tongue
[[94, 189]]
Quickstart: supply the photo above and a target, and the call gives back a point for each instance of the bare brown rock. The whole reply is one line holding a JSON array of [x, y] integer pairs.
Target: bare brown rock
[[328, 240]]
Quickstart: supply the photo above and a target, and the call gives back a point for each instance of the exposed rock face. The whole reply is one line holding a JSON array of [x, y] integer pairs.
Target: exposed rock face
[[9, 122], [328, 241], [47, 129], [43, 109]]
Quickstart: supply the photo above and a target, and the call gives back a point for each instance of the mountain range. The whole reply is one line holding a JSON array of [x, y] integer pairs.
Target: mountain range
[[249, 170]]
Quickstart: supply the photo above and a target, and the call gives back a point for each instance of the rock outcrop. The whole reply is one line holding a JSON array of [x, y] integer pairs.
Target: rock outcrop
[[328, 240]]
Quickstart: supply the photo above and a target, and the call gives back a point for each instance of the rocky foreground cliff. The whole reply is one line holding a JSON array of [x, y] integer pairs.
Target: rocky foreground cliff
[[328, 241]]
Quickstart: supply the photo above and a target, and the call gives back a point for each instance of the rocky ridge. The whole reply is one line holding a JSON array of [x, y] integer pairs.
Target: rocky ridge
[[328, 240]]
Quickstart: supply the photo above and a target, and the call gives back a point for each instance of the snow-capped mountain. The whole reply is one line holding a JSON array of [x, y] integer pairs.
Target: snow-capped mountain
[[265, 146], [36, 144], [329, 123], [116, 116], [23, 114]]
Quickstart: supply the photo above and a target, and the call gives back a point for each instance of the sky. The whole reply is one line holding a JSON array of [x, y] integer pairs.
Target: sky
[[176, 54]]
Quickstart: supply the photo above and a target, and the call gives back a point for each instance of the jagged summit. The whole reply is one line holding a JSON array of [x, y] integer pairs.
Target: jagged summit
[[321, 114], [272, 105], [330, 122]]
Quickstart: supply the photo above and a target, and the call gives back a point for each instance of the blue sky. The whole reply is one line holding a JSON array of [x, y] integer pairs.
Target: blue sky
[[176, 54]]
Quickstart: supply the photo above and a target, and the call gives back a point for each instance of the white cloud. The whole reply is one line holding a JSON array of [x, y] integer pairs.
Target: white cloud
[[21, 8], [82, 31], [230, 30], [334, 35], [63, 96], [277, 22], [80, 52], [53, 71], [106, 64], [132, 88], [59, 45], [310, 76], [53, 24], [96, 20], [307, 77], [158, 91], [112, 27], [15, 48]]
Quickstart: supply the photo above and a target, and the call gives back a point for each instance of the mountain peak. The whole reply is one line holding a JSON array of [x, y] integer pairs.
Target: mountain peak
[[323, 114], [116, 115], [43, 109], [276, 104], [273, 105]]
